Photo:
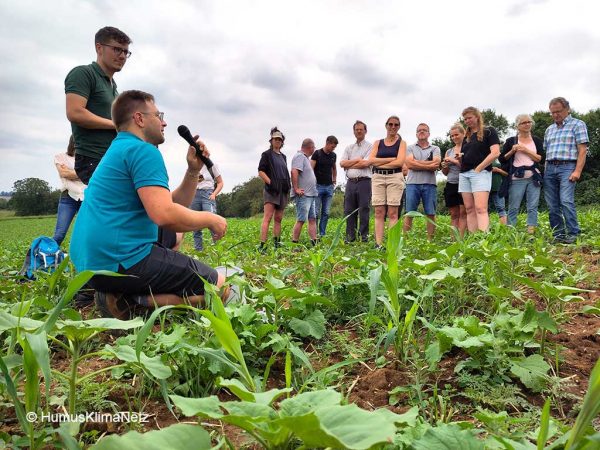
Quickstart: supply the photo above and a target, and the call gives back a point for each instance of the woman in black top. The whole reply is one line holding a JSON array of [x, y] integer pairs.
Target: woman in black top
[[480, 148], [387, 184], [273, 170]]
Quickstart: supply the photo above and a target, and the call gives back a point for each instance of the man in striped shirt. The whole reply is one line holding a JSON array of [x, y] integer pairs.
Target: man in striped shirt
[[566, 143]]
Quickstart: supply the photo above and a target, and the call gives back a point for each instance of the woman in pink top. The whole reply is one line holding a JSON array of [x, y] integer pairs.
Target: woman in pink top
[[521, 154]]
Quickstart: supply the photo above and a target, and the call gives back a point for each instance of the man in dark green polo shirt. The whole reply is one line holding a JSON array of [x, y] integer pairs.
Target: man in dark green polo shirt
[[90, 92]]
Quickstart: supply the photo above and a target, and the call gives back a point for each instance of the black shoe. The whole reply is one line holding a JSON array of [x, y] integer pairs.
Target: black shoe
[[262, 248], [568, 239]]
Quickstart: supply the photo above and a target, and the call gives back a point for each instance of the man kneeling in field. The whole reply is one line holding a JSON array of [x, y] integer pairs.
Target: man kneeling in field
[[126, 201]]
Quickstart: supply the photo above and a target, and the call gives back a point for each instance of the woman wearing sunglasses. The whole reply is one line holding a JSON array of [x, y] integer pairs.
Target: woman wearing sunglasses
[[386, 158]]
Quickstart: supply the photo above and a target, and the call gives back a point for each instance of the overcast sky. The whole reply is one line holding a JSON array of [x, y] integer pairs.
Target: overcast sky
[[231, 70]]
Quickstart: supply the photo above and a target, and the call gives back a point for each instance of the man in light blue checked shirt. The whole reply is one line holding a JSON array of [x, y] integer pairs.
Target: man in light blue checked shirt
[[566, 144]]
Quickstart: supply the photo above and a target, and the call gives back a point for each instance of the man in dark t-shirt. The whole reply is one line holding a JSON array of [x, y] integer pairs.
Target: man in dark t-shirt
[[90, 92], [323, 163]]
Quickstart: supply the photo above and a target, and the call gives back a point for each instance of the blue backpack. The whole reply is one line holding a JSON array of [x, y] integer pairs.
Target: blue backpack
[[44, 254]]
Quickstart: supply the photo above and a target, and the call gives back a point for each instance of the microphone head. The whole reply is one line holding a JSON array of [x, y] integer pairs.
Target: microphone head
[[184, 132]]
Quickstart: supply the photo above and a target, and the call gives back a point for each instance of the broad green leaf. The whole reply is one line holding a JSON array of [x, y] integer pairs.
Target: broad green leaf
[[312, 325], [83, 329], [433, 353], [9, 322], [179, 436], [154, 365], [249, 410], [532, 371], [442, 274], [306, 402], [209, 407], [349, 427], [448, 437], [472, 325]]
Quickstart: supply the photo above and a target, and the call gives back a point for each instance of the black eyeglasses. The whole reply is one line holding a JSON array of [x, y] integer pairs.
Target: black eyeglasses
[[389, 124], [160, 115], [422, 131], [119, 50]]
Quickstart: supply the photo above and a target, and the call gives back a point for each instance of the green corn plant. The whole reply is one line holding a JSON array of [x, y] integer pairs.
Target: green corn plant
[[589, 409]]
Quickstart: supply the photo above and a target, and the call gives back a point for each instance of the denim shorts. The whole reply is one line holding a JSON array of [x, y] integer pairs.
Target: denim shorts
[[305, 207], [427, 193], [472, 181]]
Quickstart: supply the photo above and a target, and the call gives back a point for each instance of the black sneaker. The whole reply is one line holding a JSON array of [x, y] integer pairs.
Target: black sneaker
[[119, 306], [568, 239]]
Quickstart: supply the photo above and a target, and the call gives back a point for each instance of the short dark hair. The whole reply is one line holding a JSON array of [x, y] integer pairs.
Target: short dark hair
[[331, 140], [107, 33], [126, 104], [359, 122]]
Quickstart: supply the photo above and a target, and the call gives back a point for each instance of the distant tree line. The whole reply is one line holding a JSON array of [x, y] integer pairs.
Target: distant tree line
[[33, 197]]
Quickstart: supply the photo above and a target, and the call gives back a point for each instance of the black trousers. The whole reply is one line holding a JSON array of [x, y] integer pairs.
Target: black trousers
[[358, 195]]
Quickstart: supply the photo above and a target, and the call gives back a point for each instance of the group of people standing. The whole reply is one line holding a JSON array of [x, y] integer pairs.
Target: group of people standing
[[130, 222], [384, 173]]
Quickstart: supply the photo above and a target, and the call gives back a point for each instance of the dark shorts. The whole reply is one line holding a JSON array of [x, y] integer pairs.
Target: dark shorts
[[166, 238], [452, 196], [279, 200], [163, 271], [85, 167]]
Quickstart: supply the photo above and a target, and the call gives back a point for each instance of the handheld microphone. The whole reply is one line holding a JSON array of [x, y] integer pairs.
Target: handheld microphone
[[184, 132]]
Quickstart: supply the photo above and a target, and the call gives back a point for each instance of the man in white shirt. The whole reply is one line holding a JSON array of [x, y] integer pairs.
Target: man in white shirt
[[358, 184]]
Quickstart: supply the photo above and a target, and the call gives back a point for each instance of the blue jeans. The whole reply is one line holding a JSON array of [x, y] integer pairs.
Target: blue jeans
[[499, 203], [305, 207], [67, 208], [520, 188], [559, 193], [324, 197], [417, 193], [201, 202]]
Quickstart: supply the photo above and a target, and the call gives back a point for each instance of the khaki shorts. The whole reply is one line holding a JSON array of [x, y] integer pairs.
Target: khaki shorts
[[387, 189]]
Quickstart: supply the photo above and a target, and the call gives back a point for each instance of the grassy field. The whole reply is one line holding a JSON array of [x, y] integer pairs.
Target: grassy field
[[489, 342]]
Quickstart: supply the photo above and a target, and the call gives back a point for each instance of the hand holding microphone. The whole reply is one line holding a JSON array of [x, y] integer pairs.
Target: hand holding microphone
[[184, 132]]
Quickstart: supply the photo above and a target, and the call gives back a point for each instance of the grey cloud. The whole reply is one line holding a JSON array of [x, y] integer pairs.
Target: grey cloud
[[272, 78], [357, 68], [522, 7]]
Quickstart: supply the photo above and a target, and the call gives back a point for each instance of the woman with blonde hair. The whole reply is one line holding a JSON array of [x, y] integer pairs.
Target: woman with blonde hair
[[479, 149], [522, 153], [386, 158], [451, 168]]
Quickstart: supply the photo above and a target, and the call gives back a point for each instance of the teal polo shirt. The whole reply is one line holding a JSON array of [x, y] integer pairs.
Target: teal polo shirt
[[100, 91], [112, 226]]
